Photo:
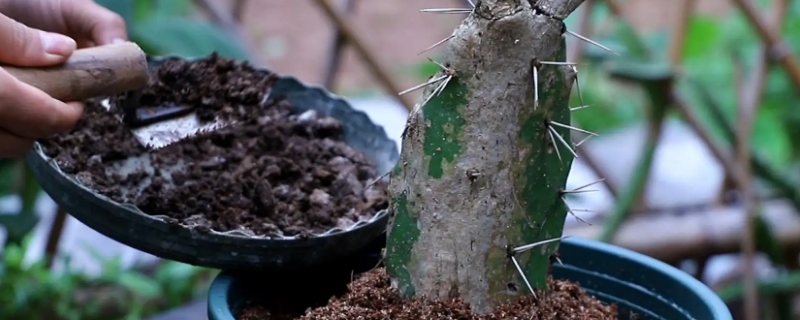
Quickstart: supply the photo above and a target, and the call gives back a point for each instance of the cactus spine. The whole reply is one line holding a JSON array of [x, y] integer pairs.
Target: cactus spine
[[484, 162]]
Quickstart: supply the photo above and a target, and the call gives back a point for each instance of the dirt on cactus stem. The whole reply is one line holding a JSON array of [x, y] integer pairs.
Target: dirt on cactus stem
[[271, 173], [370, 297]]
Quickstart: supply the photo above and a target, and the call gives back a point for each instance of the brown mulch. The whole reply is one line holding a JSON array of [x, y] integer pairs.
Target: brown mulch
[[370, 297]]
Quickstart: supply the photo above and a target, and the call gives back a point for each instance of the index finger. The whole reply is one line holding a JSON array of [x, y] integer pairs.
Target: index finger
[[30, 113], [95, 22]]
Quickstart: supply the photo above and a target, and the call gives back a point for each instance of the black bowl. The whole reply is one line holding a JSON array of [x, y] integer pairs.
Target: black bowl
[[152, 233]]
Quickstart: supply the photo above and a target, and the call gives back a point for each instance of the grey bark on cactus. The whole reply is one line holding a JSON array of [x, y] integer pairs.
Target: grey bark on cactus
[[485, 159]]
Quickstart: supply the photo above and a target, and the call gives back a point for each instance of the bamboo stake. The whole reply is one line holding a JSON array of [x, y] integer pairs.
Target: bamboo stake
[[696, 234], [354, 40], [771, 37]]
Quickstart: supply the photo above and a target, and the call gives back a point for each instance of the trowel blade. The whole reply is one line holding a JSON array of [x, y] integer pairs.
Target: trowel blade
[[161, 134]]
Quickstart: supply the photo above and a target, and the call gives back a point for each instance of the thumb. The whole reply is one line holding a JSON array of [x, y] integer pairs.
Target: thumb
[[27, 47]]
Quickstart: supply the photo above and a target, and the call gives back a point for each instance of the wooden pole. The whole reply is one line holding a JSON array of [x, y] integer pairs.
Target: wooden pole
[[697, 234]]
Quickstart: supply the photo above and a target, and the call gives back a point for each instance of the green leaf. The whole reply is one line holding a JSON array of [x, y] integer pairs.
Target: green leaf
[[658, 42], [612, 106], [124, 8], [134, 11], [143, 10], [739, 32], [174, 271], [770, 137], [18, 226], [697, 88], [112, 267], [140, 284], [30, 191], [422, 70], [702, 36], [791, 27], [6, 176], [172, 7], [765, 239], [635, 46], [185, 37], [595, 54], [784, 283], [13, 257]]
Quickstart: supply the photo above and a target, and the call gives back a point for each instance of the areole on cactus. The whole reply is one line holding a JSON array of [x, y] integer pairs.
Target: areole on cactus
[[485, 159]]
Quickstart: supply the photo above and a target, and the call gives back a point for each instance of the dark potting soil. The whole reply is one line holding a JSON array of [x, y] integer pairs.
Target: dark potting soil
[[270, 173], [370, 297]]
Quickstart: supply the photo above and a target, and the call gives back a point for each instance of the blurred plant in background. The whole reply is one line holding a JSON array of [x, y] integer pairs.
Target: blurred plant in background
[[713, 48], [35, 292], [173, 27]]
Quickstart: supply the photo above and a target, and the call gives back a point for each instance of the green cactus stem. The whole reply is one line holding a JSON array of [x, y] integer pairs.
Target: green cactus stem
[[480, 169]]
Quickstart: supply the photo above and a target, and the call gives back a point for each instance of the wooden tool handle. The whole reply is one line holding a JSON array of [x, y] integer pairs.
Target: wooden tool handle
[[91, 72]]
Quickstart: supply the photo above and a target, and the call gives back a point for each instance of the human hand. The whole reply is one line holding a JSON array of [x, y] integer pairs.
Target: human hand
[[27, 113], [85, 21]]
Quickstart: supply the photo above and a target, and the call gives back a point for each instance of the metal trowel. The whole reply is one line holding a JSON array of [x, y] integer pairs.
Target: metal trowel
[[109, 70], [159, 126]]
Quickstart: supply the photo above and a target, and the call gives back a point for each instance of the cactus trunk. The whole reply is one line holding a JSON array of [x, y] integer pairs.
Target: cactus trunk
[[478, 171]]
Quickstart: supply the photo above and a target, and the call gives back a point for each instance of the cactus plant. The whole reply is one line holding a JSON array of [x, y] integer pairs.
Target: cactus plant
[[485, 159]]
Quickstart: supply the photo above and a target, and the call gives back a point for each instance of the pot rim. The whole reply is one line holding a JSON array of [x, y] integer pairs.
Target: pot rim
[[218, 307]]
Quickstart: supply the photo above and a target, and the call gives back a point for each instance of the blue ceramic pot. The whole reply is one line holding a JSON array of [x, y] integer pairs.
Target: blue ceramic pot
[[637, 283]]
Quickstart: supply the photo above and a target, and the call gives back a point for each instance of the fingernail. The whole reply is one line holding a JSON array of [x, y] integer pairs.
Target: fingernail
[[57, 44], [118, 40]]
